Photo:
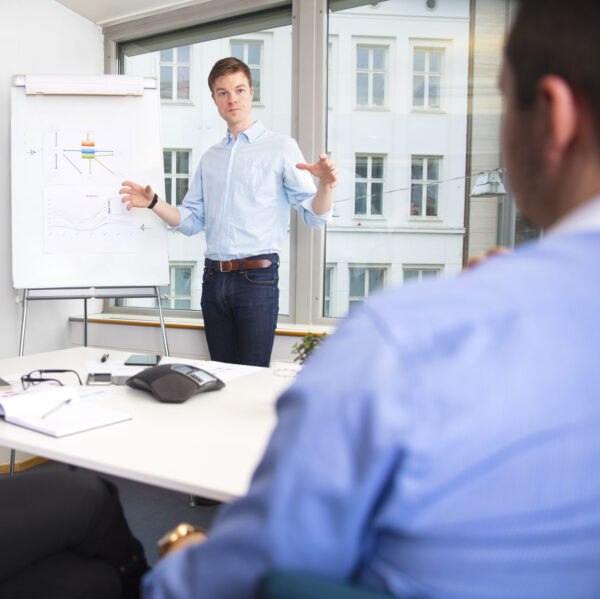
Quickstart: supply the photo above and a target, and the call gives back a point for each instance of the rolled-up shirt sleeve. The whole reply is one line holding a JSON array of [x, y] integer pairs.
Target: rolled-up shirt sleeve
[[300, 187], [192, 209]]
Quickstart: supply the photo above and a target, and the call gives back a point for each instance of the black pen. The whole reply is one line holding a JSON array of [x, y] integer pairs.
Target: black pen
[[104, 358]]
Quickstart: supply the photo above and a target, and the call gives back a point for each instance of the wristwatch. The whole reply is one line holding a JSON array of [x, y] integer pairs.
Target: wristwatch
[[168, 540], [153, 202]]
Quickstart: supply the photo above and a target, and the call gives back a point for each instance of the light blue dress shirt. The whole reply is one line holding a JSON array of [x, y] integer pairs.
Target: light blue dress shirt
[[242, 191], [443, 443]]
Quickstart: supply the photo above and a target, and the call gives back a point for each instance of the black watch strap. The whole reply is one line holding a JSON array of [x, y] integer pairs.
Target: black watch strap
[[153, 202]]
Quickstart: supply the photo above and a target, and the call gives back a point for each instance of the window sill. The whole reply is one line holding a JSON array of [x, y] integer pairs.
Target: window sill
[[372, 108], [425, 219], [177, 102], [428, 111], [141, 320]]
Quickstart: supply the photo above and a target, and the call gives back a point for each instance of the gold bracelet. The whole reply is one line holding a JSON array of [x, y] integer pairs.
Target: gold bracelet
[[168, 540]]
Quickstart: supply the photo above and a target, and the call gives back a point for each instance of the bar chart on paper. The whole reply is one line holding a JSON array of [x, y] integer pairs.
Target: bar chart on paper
[[76, 155]]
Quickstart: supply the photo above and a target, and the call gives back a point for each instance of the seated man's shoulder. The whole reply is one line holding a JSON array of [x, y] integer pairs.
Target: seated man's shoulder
[[416, 313]]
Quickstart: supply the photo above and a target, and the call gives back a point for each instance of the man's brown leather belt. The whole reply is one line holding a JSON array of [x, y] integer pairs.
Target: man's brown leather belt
[[240, 264]]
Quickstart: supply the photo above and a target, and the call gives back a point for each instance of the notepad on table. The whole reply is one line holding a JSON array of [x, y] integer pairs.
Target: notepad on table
[[57, 411]]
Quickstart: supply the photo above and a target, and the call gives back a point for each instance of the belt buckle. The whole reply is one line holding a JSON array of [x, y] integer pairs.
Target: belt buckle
[[221, 262]]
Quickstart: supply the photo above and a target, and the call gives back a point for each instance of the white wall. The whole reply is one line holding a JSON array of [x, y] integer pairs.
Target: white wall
[[36, 36]]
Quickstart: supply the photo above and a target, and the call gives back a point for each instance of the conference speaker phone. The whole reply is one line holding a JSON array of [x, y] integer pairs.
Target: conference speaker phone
[[174, 383]]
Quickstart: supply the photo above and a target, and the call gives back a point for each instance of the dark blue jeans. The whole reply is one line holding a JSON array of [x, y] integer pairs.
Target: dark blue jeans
[[240, 312]]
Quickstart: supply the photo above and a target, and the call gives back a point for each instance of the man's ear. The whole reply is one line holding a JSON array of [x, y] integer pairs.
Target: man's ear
[[560, 115], [251, 94]]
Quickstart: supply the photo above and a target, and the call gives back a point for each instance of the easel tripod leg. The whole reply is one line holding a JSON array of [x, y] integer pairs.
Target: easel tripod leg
[[162, 321], [23, 323]]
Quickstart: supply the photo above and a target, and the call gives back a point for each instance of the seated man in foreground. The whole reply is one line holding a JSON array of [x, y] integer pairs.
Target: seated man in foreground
[[445, 441]]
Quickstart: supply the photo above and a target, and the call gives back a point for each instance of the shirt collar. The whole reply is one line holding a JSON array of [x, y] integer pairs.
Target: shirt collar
[[583, 218], [251, 134]]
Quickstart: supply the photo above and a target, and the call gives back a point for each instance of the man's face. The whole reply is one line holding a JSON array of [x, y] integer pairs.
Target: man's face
[[233, 96], [521, 146]]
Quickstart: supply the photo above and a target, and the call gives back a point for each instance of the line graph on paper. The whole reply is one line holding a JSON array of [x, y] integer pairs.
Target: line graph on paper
[[74, 155], [87, 220]]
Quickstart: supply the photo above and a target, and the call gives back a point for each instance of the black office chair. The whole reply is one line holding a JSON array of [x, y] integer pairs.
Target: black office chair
[[281, 584]]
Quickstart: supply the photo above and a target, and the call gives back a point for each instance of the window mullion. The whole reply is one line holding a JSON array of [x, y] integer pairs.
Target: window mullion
[[309, 72]]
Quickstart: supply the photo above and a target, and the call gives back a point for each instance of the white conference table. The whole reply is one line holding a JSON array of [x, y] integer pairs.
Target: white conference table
[[207, 446]]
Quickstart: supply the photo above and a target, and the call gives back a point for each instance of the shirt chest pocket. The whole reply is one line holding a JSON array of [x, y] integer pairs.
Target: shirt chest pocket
[[252, 180]]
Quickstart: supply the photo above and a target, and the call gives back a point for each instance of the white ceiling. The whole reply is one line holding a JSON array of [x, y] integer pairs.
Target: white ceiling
[[111, 12]]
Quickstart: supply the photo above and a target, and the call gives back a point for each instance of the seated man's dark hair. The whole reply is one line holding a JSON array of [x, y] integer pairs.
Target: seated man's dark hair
[[559, 37]]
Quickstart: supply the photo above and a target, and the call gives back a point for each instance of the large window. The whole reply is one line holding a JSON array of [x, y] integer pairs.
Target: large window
[[188, 130], [390, 125], [412, 118]]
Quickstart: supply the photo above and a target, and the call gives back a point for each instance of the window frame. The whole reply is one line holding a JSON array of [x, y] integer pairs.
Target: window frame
[[371, 43], [429, 45], [421, 268], [309, 109], [172, 298], [174, 65], [369, 180], [424, 183], [174, 176], [309, 87], [261, 43], [368, 268]]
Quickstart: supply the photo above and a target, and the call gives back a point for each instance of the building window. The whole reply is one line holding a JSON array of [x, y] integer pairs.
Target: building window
[[175, 66], [416, 274], [251, 53], [424, 183], [370, 76], [368, 185], [427, 78], [178, 294], [364, 282], [177, 175]]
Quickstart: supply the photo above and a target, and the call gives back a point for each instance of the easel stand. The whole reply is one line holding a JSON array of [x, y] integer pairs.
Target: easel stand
[[86, 293]]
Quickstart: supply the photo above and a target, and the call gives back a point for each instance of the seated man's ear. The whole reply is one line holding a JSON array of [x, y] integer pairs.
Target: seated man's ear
[[560, 113]]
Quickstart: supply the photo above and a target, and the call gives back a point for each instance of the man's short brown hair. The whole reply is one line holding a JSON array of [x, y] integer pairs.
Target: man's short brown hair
[[556, 37], [227, 66]]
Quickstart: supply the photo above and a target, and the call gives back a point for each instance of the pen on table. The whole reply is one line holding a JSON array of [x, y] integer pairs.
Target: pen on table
[[55, 408], [104, 358]]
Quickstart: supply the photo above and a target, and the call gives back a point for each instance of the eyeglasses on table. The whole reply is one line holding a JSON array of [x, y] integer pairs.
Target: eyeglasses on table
[[35, 377]]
